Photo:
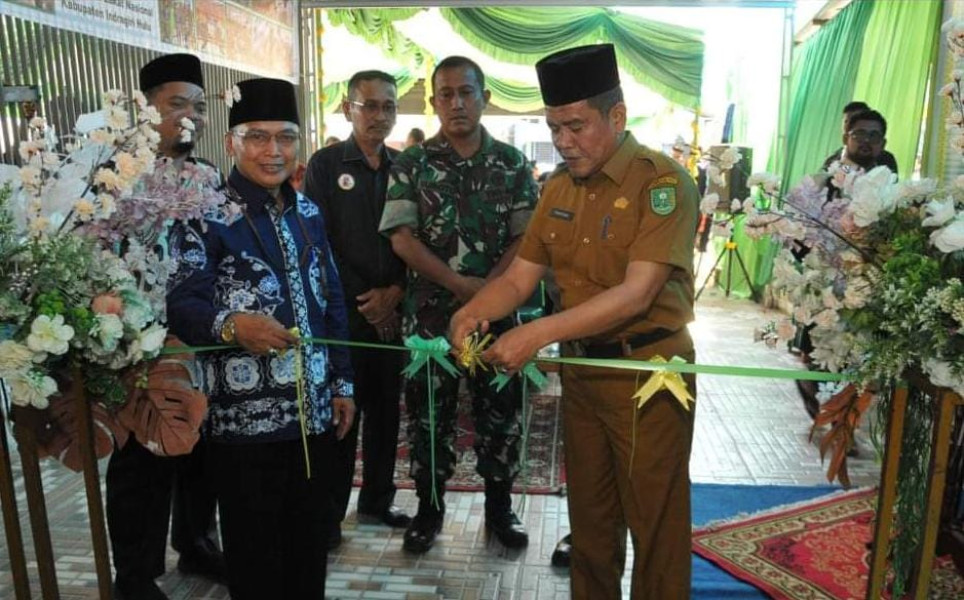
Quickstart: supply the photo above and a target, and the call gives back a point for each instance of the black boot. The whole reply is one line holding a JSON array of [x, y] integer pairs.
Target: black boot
[[499, 517], [425, 527]]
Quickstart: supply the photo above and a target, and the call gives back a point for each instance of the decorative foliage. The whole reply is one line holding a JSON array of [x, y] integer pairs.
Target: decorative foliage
[[81, 278]]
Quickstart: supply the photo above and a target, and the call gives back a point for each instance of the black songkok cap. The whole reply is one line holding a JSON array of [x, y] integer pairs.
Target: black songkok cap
[[264, 100], [171, 67], [577, 74]]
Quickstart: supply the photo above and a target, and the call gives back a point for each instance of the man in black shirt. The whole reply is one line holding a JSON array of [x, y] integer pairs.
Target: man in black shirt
[[348, 181], [884, 158]]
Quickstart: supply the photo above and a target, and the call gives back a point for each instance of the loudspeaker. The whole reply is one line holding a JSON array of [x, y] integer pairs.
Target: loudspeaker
[[734, 185]]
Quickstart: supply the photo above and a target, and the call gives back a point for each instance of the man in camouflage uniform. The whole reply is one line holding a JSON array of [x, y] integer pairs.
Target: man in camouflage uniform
[[455, 210]]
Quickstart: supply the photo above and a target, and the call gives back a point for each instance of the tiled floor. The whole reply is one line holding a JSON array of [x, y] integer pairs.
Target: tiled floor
[[748, 431]]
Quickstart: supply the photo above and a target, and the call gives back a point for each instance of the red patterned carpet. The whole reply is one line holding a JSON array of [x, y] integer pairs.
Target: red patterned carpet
[[813, 550], [543, 472]]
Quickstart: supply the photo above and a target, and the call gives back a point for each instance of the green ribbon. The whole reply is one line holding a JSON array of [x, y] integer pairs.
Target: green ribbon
[[529, 373], [425, 351], [606, 363]]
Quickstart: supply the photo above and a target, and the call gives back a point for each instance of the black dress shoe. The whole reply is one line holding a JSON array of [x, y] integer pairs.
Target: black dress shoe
[[392, 516], [421, 533], [507, 528], [334, 540], [560, 556], [204, 559], [138, 590]]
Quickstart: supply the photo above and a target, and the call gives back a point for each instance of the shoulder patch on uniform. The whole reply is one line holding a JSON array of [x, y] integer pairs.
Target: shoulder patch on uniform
[[663, 200], [663, 181], [621, 203]]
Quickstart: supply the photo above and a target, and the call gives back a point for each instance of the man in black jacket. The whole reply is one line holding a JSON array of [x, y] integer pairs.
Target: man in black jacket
[[348, 181]]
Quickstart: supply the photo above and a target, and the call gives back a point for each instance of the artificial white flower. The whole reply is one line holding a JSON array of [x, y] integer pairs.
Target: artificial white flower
[[127, 166], [102, 136], [735, 205], [729, 158], [716, 175], [139, 98], [231, 95], [111, 97], [150, 114], [942, 375], [14, 358], [109, 330], [32, 389], [109, 179], [84, 210], [769, 182], [50, 335], [152, 339], [874, 195], [949, 238], [709, 203], [857, 293], [916, 188], [117, 118], [938, 213]]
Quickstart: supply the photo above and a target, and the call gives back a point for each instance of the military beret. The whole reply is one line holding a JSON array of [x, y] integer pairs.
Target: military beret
[[577, 74]]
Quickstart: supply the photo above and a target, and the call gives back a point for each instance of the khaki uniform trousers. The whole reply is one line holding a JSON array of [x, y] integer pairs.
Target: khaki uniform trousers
[[611, 489]]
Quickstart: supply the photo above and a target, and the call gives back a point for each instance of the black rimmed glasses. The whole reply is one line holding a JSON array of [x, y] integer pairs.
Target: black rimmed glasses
[[863, 135], [372, 108]]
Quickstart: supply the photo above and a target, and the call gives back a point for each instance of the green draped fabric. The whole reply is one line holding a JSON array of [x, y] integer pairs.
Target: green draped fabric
[[898, 49], [374, 25], [667, 59], [514, 96], [822, 83]]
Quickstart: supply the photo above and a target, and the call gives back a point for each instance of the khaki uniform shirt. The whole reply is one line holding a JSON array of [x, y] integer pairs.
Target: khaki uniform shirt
[[641, 206]]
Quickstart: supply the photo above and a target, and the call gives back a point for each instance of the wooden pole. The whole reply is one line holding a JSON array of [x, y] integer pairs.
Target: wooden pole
[[887, 495], [27, 422], [11, 516], [936, 477], [95, 507]]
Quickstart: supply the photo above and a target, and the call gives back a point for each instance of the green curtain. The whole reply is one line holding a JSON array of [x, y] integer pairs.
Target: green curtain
[[666, 59], [822, 82], [898, 50], [514, 96], [374, 25]]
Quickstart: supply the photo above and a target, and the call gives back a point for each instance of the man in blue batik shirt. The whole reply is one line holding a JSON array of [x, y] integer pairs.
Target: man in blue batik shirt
[[252, 279]]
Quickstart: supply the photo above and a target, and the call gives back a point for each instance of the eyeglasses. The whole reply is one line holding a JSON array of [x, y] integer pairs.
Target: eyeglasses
[[259, 139], [862, 135], [372, 108]]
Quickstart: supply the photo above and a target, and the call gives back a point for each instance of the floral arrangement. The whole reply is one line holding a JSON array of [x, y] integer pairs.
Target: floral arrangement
[[80, 278], [873, 268]]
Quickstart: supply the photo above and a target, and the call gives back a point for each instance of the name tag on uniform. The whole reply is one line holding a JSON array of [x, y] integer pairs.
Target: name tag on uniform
[[558, 213]]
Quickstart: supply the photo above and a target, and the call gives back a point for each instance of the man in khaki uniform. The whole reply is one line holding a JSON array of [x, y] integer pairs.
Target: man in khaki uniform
[[616, 224]]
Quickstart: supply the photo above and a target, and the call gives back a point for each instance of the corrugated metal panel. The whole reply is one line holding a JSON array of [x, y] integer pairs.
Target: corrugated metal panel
[[74, 69]]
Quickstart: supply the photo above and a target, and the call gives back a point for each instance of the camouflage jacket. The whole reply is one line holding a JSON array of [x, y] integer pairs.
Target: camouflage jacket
[[467, 211]]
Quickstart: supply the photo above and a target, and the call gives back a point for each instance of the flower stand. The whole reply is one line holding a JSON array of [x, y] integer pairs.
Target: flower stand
[[29, 425], [946, 403]]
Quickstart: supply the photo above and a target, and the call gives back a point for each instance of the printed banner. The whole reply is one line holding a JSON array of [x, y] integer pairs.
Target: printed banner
[[222, 32]]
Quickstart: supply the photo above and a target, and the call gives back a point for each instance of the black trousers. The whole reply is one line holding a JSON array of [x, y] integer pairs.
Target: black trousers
[[378, 386], [274, 520], [140, 486]]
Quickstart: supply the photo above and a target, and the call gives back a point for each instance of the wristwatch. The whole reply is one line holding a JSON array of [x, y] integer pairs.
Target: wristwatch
[[228, 330]]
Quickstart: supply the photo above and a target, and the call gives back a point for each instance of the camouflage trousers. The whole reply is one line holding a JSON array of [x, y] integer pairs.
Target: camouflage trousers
[[497, 417]]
